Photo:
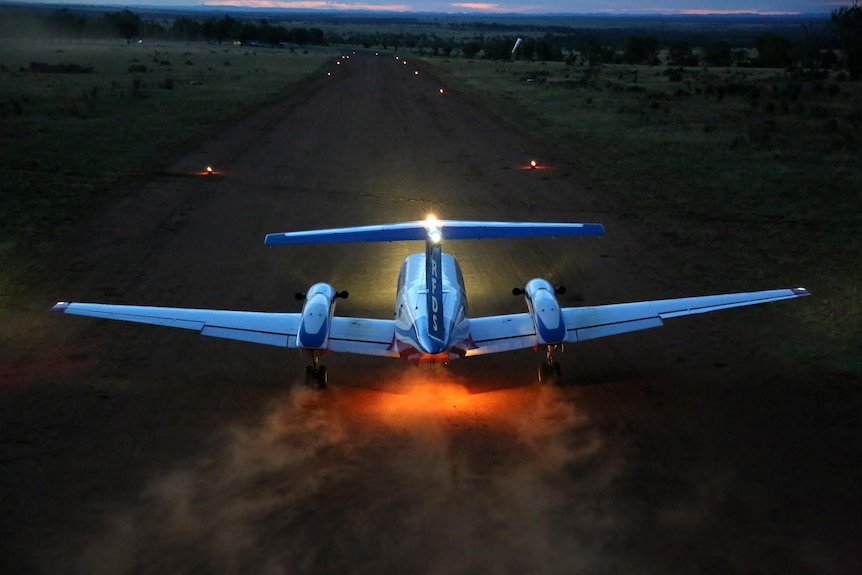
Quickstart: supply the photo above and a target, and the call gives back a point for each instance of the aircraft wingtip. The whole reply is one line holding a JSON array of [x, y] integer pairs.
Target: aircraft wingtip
[[60, 306]]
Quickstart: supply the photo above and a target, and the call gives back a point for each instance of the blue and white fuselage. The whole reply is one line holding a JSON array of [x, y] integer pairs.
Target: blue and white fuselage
[[415, 318]]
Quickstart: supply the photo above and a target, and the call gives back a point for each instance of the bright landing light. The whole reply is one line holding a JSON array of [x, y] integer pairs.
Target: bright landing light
[[433, 227]]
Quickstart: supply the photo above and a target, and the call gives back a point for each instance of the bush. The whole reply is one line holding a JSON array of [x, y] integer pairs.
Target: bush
[[41, 67]]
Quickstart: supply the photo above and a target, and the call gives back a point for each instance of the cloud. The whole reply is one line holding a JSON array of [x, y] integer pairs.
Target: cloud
[[309, 5]]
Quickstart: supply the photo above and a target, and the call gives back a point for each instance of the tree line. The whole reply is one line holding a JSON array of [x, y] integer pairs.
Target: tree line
[[67, 25], [839, 42]]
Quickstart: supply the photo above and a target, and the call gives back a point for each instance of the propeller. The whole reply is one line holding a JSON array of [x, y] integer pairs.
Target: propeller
[[342, 294], [557, 290]]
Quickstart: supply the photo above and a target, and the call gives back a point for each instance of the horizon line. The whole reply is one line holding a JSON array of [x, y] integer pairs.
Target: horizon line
[[329, 7]]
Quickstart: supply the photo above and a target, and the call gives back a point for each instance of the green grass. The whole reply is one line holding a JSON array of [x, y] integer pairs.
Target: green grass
[[750, 178], [68, 140]]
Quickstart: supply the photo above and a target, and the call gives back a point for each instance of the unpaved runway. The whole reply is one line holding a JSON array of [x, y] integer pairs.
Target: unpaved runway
[[694, 448]]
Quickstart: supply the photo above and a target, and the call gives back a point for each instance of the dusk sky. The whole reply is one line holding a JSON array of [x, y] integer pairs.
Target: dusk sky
[[512, 6]]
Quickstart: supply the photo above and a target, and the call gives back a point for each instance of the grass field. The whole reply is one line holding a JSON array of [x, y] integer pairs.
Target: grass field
[[80, 118], [754, 172]]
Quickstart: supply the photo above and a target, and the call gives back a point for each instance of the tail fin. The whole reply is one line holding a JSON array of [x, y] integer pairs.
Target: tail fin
[[433, 231], [434, 288], [449, 229]]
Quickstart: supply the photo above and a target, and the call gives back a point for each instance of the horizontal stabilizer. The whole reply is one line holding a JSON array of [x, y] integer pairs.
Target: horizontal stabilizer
[[449, 229]]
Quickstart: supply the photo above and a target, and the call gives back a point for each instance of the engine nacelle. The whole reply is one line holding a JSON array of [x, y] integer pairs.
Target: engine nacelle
[[317, 311], [546, 311]]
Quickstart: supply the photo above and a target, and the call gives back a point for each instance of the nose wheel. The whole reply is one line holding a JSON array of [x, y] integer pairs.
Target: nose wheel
[[315, 374], [550, 371]]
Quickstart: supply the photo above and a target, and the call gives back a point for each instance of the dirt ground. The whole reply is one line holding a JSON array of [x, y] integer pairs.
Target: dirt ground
[[699, 447]]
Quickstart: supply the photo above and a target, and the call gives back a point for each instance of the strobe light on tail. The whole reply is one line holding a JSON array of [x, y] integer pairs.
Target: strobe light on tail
[[430, 323]]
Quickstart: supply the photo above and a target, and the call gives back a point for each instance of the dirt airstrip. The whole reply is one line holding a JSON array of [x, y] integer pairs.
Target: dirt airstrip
[[694, 448]]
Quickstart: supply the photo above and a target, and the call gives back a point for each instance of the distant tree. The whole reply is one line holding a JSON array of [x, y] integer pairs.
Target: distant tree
[[773, 51], [221, 30], [547, 52], [598, 53], [718, 54], [498, 48], [640, 50], [681, 54], [64, 24], [847, 22], [316, 37], [152, 29], [470, 49], [126, 22], [186, 29], [527, 49]]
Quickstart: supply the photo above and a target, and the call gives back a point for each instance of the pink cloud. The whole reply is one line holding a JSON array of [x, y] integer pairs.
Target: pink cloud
[[309, 5]]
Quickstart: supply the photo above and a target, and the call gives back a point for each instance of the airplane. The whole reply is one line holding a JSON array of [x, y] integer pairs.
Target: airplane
[[430, 322]]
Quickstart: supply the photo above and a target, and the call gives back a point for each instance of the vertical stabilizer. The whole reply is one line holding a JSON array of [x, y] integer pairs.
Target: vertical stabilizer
[[434, 287]]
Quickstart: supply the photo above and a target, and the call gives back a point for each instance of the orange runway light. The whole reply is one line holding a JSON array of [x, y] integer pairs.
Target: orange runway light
[[533, 165], [441, 91], [208, 171]]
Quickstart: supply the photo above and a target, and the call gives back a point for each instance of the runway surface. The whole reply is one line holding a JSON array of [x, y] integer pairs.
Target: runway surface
[[694, 448]]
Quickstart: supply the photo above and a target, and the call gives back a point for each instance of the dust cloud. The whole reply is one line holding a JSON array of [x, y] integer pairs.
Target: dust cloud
[[426, 479]]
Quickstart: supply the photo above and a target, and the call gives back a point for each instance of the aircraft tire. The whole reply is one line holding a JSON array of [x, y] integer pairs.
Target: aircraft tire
[[321, 377], [550, 374]]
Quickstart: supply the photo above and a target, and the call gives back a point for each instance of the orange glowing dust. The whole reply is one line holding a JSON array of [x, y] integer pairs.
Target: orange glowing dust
[[208, 171], [421, 398], [52, 367]]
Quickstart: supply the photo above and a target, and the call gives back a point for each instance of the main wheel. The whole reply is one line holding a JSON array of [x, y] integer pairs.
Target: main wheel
[[321, 378], [550, 373]]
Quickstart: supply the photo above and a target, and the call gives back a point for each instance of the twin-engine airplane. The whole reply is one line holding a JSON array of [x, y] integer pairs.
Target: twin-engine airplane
[[431, 322]]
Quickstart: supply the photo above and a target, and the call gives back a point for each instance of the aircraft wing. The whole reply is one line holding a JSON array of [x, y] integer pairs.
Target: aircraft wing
[[498, 333], [363, 335], [277, 329], [347, 334], [516, 331]]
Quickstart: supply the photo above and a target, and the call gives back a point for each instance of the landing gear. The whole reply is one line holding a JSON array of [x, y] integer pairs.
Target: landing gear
[[550, 372], [315, 375]]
